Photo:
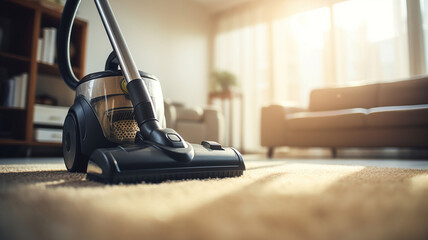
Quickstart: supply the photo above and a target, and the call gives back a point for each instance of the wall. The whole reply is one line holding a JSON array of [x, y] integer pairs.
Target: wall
[[167, 38]]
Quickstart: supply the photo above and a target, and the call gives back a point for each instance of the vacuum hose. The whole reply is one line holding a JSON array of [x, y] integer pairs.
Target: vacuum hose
[[63, 43]]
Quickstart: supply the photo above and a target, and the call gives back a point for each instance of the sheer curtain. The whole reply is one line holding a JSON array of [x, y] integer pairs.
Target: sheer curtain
[[241, 46], [281, 50], [424, 12], [301, 55], [370, 39]]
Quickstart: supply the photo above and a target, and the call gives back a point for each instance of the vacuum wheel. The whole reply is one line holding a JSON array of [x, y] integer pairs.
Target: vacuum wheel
[[74, 160]]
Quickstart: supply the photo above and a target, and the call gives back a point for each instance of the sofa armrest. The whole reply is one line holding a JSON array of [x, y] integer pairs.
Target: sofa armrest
[[214, 122], [273, 129], [170, 114], [189, 114]]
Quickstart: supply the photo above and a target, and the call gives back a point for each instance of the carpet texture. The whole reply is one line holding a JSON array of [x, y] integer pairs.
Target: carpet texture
[[273, 200]]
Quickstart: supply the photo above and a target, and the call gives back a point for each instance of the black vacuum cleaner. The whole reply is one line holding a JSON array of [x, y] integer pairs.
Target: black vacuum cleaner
[[115, 130]]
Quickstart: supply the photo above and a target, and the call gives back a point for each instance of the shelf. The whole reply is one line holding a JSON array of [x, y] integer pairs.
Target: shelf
[[49, 144], [5, 141], [12, 142], [12, 56], [53, 69], [3, 108], [45, 7]]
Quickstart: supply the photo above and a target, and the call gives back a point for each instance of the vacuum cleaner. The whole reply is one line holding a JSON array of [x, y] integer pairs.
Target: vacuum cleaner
[[115, 129]]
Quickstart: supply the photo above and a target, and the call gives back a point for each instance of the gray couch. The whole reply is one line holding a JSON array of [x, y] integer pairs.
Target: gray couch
[[393, 114], [195, 124]]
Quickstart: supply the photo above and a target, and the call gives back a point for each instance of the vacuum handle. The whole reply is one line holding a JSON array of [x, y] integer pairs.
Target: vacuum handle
[[140, 97]]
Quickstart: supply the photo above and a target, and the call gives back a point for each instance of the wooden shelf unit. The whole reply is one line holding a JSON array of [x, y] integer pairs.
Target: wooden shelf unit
[[26, 20]]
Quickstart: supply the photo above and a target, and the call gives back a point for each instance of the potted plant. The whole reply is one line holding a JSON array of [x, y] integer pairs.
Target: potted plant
[[224, 80]]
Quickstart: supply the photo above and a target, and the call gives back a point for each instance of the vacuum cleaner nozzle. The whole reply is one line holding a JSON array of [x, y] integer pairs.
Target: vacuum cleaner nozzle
[[147, 163]]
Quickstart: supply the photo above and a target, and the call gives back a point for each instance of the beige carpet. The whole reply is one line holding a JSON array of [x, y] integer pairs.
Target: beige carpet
[[273, 200]]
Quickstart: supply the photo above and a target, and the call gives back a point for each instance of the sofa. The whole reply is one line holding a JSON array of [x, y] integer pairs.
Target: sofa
[[391, 114], [195, 124]]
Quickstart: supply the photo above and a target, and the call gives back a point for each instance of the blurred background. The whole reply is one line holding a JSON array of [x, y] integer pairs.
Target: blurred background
[[276, 51]]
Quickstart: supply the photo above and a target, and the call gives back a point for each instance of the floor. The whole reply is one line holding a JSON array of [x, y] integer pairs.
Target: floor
[[373, 161], [284, 198]]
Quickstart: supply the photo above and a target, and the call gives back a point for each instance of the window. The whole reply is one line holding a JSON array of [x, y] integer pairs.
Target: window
[[370, 40], [424, 12], [241, 47], [301, 54], [281, 52]]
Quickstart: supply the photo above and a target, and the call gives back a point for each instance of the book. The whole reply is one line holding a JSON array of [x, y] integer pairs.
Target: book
[[23, 90], [14, 92], [9, 91], [52, 50], [49, 115], [48, 135], [46, 45], [39, 49]]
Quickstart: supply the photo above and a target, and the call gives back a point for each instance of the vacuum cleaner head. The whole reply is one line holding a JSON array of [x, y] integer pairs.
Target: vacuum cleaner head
[[115, 130], [147, 163]]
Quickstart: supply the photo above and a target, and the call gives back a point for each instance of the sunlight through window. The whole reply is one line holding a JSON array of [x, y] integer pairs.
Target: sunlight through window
[[301, 55], [424, 11], [370, 40]]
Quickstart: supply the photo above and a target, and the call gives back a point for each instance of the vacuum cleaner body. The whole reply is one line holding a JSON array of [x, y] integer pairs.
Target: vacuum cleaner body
[[101, 137], [115, 130]]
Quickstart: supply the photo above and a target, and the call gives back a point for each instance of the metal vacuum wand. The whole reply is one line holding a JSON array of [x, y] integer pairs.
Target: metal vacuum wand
[[140, 97], [127, 64]]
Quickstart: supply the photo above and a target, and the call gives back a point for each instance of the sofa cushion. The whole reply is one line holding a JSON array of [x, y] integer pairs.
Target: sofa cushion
[[190, 114], [346, 118], [409, 92], [396, 116], [344, 98]]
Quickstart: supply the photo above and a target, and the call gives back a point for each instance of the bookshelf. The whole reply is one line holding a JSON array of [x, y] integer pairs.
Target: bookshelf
[[22, 22]]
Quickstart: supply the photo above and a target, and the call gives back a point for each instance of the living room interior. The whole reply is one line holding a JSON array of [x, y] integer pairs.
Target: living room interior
[[326, 101]]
